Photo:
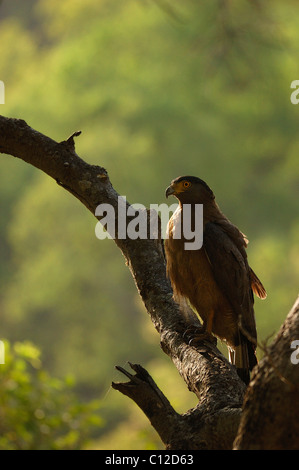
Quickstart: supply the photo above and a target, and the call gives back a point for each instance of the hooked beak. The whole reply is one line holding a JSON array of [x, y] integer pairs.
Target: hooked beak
[[169, 191]]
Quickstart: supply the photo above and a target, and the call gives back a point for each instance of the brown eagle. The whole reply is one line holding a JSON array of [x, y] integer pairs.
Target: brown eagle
[[215, 279]]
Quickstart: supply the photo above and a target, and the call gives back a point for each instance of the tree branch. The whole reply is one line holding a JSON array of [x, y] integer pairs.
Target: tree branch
[[214, 422], [143, 390], [194, 430]]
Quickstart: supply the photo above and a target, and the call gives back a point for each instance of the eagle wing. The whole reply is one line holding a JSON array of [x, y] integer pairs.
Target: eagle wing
[[228, 259]]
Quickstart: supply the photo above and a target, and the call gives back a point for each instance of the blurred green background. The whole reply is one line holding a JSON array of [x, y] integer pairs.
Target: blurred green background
[[159, 89]]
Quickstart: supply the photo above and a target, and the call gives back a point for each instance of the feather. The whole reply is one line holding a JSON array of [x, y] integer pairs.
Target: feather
[[257, 286]]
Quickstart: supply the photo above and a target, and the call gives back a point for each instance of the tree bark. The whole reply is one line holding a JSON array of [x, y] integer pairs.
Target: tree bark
[[270, 418], [214, 422]]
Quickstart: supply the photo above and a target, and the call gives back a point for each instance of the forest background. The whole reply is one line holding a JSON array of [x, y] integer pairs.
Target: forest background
[[159, 89]]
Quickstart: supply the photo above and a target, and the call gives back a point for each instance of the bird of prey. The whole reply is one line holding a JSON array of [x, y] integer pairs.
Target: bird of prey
[[216, 279]]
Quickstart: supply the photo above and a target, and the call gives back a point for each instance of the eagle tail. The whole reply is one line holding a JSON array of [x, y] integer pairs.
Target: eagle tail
[[244, 358], [257, 286]]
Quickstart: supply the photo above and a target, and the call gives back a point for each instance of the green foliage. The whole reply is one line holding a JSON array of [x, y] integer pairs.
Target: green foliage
[[159, 89], [37, 410]]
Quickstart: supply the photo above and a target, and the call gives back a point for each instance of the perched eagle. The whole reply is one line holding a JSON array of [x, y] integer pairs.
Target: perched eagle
[[215, 279]]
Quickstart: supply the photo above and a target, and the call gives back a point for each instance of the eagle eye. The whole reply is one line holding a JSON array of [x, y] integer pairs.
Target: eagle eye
[[186, 184]]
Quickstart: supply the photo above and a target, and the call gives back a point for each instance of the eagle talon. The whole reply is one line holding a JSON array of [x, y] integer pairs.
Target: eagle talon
[[195, 335]]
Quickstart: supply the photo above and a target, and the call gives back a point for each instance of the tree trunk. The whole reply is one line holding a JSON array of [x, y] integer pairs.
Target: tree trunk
[[270, 418]]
